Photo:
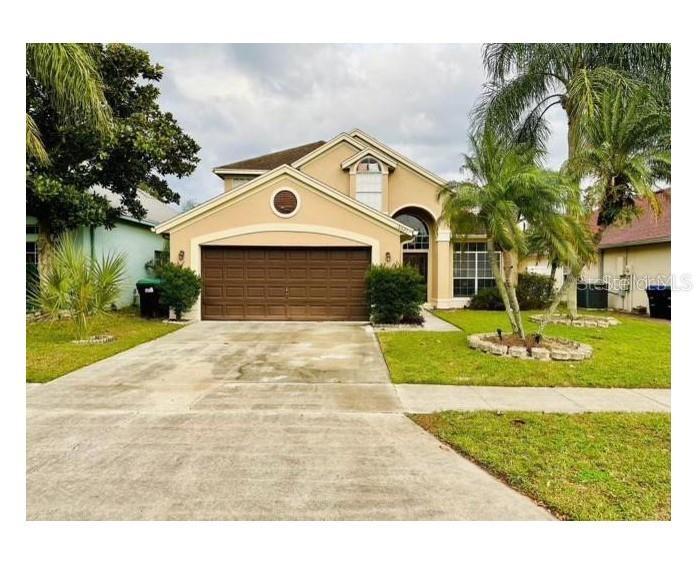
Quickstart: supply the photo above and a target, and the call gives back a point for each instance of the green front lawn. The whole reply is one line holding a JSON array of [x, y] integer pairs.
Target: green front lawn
[[51, 354], [635, 354], [590, 466]]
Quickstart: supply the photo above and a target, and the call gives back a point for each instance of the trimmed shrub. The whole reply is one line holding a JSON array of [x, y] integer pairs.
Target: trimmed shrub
[[534, 290], [395, 294], [180, 288], [488, 299]]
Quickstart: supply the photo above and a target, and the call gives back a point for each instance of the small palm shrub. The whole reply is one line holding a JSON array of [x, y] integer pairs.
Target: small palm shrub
[[77, 284], [180, 288], [395, 294]]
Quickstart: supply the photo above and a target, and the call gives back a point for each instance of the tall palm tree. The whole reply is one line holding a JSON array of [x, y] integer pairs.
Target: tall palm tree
[[506, 190], [625, 152], [528, 79], [69, 74]]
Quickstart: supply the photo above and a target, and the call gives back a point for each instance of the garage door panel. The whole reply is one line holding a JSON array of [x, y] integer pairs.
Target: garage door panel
[[277, 283]]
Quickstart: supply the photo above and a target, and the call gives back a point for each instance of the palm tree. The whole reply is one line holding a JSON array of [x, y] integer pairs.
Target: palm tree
[[625, 152], [528, 79], [69, 74], [75, 283], [507, 190]]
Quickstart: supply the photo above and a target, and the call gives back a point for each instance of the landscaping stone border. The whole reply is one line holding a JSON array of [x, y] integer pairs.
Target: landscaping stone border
[[581, 321], [566, 350]]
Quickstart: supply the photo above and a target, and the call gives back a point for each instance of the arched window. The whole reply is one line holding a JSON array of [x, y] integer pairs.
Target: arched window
[[368, 182], [422, 240]]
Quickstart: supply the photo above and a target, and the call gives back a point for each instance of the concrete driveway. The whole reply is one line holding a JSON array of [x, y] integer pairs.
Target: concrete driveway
[[246, 421]]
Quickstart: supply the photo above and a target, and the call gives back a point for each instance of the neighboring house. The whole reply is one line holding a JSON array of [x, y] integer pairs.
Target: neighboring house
[[636, 255], [134, 238], [294, 232]]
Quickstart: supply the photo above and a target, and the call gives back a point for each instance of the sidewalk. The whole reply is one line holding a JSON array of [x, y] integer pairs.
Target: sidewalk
[[423, 398]]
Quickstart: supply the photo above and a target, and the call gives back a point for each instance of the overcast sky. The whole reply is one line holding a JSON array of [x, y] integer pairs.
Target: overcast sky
[[240, 101]]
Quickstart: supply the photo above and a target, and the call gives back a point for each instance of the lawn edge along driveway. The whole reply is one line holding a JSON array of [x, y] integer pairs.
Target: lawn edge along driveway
[[50, 353], [589, 466], [635, 354]]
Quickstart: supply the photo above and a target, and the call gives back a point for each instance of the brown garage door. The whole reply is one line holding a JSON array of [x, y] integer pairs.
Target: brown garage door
[[285, 283]]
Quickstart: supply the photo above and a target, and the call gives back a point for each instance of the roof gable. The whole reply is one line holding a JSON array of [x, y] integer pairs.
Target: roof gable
[[369, 151], [371, 141], [232, 195], [341, 137]]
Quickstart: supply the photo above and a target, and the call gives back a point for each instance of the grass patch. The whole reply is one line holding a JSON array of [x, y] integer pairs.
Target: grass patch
[[51, 354], [590, 466], [635, 354]]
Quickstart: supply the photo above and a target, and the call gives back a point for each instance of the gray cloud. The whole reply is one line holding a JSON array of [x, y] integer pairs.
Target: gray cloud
[[240, 100]]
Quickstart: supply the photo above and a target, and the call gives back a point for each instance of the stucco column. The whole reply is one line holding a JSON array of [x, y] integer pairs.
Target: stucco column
[[443, 280]]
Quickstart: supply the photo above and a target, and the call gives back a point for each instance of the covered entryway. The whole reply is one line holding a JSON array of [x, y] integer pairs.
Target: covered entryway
[[284, 283]]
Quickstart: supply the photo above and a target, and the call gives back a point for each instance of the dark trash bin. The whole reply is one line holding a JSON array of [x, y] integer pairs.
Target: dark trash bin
[[149, 292], [593, 295], [660, 301]]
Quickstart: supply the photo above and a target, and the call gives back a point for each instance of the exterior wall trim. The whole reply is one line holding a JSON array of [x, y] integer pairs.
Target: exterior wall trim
[[368, 151], [240, 171], [329, 145]]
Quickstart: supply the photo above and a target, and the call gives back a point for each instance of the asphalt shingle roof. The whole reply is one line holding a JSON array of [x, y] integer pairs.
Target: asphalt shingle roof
[[644, 229], [273, 160]]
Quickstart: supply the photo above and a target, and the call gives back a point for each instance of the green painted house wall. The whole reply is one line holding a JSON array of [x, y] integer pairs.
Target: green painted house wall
[[136, 241]]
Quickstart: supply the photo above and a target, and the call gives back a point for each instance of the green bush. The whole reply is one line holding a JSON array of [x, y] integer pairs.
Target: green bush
[[180, 288], [533, 292], [488, 299], [395, 293]]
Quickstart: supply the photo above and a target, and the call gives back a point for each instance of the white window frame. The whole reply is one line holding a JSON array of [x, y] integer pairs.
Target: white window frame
[[375, 190], [476, 278]]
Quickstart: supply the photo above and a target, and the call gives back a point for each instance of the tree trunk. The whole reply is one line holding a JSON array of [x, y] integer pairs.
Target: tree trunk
[[569, 282], [45, 244], [500, 284], [508, 266], [572, 290], [554, 268]]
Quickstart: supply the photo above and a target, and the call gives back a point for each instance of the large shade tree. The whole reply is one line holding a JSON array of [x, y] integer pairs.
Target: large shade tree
[[507, 194], [143, 146], [527, 80]]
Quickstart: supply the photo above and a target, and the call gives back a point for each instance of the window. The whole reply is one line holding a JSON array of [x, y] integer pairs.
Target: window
[[421, 242], [472, 270], [368, 182], [32, 253]]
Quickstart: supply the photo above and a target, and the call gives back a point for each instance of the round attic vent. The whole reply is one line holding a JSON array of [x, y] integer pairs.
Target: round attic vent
[[285, 202]]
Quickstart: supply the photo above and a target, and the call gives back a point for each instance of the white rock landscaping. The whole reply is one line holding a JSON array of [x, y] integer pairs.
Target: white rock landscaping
[[580, 321], [552, 348]]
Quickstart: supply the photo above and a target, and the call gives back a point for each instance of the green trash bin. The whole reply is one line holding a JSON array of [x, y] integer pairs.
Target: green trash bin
[[149, 292]]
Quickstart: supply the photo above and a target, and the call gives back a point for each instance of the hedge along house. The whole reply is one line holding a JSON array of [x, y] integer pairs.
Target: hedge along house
[[636, 255], [294, 232], [132, 237]]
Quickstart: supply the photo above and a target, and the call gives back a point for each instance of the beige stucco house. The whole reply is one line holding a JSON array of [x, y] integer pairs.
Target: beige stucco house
[[293, 233], [636, 255]]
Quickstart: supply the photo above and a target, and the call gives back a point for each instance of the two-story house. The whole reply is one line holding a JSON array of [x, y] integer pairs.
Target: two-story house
[[294, 232]]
